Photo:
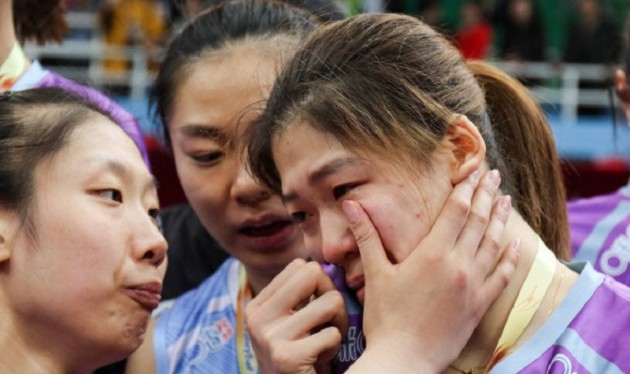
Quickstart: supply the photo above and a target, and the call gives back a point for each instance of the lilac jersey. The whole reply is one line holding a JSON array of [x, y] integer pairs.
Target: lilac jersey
[[36, 76], [353, 344], [588, 332], [600, 232]]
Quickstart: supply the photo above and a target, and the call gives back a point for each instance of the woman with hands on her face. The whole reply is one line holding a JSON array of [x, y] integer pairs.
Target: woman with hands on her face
[[395, 120]]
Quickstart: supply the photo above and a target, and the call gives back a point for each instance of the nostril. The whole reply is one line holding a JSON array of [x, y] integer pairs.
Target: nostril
[[148, 255]]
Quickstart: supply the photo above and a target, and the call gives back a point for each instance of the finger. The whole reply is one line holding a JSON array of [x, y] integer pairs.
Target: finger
[[322, 346], [326, 310], [490, 250], [369, 242], [497, 281], [277, 282], [479, 217], [453, 216], [308, 281]]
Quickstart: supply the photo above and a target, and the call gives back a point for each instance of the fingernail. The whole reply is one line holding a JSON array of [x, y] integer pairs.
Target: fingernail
[[516, 246], [495, 177], [506, 203], [472, 178], [351, 211]]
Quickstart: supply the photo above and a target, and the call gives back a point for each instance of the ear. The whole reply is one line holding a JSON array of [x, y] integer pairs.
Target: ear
[[623, 91], [8, 229], [467, 146]]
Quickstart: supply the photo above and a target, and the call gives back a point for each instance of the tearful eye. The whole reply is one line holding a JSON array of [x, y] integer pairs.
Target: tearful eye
[[339, 191], [207, 158], [298, 217], [111, 194]]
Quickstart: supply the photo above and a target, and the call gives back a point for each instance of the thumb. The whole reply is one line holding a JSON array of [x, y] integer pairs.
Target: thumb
[[367, 238]]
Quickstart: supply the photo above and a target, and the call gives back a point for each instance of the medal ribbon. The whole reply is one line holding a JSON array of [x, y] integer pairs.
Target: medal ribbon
[[12, 68], [247, 362], [528, 300]]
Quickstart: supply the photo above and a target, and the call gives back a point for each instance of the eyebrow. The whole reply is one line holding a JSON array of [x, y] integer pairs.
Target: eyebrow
[[203, 131], [323, 172], [123, 172]]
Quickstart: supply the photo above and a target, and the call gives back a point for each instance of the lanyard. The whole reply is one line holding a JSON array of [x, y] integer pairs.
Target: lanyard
[[246, 358], [528, 300], [12, 68]]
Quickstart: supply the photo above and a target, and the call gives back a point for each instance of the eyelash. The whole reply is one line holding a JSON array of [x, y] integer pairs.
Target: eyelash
[[207, 158], [340, 191], [116, 194]]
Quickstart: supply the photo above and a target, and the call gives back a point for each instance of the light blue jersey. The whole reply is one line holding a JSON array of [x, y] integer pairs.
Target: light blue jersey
[[196, 333]]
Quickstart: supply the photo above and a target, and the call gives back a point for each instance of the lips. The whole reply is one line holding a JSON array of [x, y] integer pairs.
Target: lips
[[357, 284], [148, 295], [268, 232], [265, 226]]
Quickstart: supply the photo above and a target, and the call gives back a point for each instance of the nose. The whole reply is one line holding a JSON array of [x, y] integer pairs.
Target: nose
[[338, 243], [246, 190], [150, 245]]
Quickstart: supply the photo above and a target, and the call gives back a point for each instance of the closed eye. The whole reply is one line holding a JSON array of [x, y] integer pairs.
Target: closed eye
[[340, 191], [207, 158]]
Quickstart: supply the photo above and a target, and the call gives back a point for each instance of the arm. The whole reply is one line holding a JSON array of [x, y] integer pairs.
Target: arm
[[142, 360]]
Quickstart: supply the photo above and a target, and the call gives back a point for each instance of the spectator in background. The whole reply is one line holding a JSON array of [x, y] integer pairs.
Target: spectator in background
[[522, 36], [600, 225], [474, 35], [132, 23], [44, 21], [593, 37]]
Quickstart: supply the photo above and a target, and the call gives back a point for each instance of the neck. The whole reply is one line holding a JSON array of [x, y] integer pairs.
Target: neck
[[18, 354], [480, 348], [7, 29]]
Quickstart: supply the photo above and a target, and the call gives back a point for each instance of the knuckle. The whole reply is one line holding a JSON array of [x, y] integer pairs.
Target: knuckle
[[461, 205], [312, 269], [478, 218], [461, 279], [335, 300]]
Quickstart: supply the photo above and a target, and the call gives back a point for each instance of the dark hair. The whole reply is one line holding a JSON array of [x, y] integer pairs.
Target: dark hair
[[34, 126], [386, 84], [39, 20], [216, 28]]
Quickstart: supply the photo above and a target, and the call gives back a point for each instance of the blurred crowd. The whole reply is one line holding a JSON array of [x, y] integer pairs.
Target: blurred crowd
[[575, 31]]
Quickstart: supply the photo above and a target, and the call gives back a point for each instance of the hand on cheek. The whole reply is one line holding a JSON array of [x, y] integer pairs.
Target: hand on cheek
[[423, 310]]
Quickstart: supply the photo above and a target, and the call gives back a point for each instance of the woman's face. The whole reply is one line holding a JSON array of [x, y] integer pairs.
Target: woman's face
[[89, 278], [317, 178], [217, 97]]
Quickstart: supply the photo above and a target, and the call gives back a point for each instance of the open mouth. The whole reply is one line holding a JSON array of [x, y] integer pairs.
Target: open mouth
[[266, 228]]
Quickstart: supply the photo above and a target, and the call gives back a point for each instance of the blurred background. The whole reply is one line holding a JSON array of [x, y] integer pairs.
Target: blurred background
[[565, 51]]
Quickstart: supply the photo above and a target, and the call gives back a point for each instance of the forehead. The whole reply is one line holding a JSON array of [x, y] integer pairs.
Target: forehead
[[91, 143], [223, 89]]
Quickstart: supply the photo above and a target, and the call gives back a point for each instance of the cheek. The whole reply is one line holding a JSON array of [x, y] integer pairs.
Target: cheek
[[401, 224]]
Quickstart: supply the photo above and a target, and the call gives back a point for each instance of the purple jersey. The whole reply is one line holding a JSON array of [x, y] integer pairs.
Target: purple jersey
[[600, 232], [353, 344], [36, 76], [588, 332]]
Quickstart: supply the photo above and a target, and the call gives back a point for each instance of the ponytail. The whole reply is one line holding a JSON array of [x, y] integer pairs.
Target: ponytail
[[526, 142]]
